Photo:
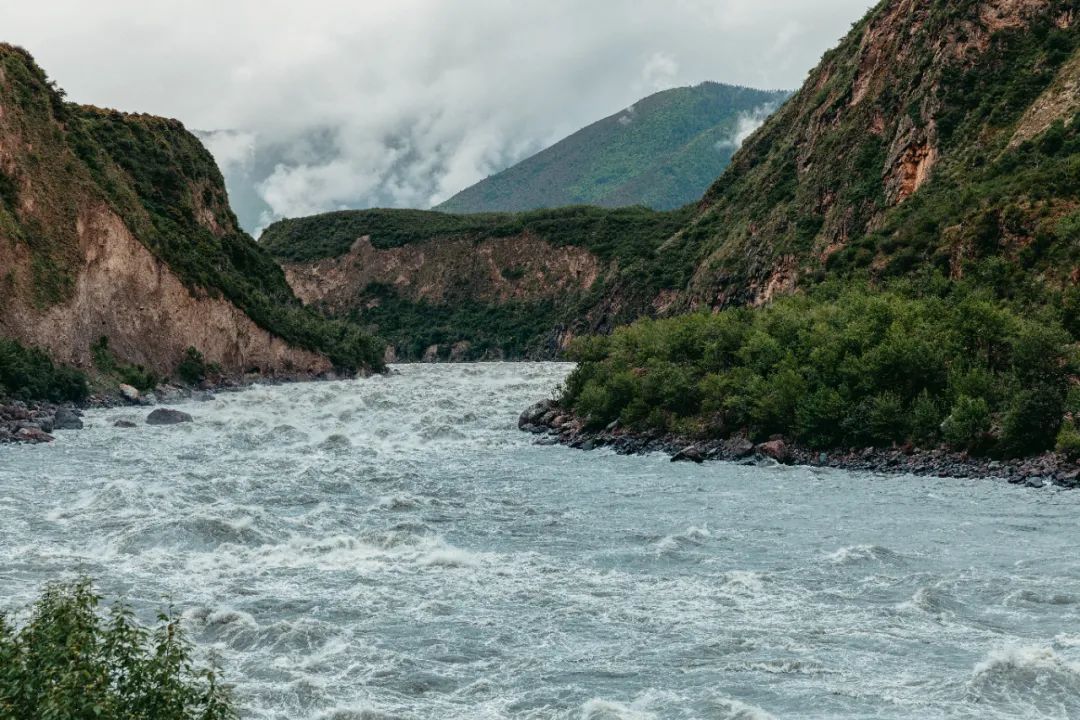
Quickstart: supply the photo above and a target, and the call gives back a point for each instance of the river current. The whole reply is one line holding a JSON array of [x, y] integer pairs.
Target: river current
[[395, 548]]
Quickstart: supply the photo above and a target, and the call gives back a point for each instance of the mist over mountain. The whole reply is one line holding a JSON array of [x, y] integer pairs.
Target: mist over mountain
[[663, 152]]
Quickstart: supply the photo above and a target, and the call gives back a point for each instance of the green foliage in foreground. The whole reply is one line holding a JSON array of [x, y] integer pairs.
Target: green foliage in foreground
[[29, 374], [70, 662], [848, 369]]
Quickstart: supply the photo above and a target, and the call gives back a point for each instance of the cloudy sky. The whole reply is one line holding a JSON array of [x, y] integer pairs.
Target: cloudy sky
[[333, 104]]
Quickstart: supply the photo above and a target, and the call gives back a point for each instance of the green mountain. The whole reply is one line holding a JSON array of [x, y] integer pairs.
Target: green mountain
[[118, 248], [661, 152]]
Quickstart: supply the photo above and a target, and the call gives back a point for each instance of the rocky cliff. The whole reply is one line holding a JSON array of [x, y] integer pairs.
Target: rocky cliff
[[497, 285], [915, 144], [117, 226]]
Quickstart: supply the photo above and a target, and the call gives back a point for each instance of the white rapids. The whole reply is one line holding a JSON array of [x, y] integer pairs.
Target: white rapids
[[395, 548]]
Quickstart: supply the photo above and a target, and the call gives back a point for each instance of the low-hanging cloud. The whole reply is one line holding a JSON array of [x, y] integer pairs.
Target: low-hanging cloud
[[325, 104]]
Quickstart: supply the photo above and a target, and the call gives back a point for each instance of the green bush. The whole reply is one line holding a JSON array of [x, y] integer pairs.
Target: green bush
[[1068, 439], [29, 374], [68, 661], [192, 368], [968, 423], [1032, 420]]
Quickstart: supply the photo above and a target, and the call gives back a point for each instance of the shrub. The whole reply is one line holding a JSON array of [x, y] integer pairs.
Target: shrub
[[29, 374], [925, 419], [1068, 439], [1033, 420], [968, 423], [192, 368], [69, 661], [818, 418]]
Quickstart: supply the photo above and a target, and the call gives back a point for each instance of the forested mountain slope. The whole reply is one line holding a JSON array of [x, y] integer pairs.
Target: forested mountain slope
[[661, 152]]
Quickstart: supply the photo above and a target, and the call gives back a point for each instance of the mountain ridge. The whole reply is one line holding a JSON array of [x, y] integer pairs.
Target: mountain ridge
[[661, 152]]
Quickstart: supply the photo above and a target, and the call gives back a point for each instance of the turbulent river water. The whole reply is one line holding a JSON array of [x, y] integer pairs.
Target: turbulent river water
[[395, 548]]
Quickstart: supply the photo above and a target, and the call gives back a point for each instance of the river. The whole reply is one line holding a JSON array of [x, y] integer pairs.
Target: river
[[395, 548]]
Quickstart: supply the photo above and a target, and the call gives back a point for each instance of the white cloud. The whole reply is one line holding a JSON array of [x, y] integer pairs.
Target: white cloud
[[661, 72], [369, 102]]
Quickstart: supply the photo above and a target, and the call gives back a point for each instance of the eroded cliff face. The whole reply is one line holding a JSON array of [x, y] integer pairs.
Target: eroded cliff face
[[122, 292], [76, 264], [495, 271], [897, 103]]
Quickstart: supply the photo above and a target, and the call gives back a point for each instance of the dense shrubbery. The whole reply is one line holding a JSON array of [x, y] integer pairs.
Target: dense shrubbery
[[842, 369], [70, 662], [29, 374]]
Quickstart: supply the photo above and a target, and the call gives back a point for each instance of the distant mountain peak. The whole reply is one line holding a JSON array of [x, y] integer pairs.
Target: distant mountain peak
[[663, 152]]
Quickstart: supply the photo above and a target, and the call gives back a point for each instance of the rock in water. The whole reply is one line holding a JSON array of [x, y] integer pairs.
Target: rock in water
[[533, 415], [164, 416], [129, 393], [776, 449], [124, 424], [689, 454], [66, 419], [33, 435]]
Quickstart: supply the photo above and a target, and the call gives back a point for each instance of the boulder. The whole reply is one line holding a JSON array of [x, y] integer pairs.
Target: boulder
[[33, 435], [739, 447], [775, 449], [202, 396], [129, 393], [534, 414], [689, 454], [66, 419], [124, 424], [165, 416]]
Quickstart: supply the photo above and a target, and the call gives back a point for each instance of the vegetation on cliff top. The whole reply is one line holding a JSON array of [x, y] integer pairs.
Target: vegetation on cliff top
[[169, 192], [662, 152], [68, 661]]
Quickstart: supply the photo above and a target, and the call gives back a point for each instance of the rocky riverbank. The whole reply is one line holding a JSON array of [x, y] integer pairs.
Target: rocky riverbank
[[37, 421], [556, 426]]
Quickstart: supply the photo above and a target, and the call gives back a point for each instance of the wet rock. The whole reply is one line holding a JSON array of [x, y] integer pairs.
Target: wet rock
[[15, 411], [202, 396], [33, 435], [775, 449], [165, 416], [66, 419], [124, 424], [129, 393], [534, 414], [689, 454], [739, 447], [1035, 482]]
